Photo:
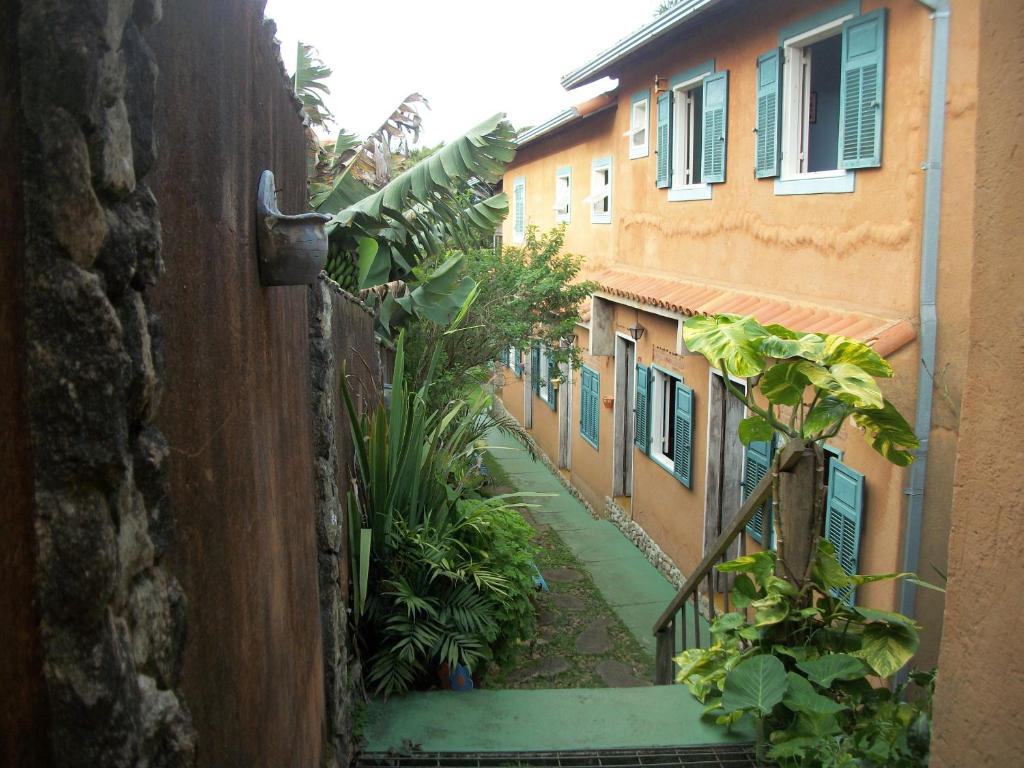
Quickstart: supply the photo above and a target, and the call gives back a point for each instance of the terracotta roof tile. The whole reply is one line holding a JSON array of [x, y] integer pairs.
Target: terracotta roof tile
[[885, 335]]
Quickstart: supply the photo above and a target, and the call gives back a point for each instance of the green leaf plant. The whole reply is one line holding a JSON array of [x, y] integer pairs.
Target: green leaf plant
[[806, 666], [797, 656], [440, 573]]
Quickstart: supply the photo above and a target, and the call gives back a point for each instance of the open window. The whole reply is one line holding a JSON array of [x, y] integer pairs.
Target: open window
[[671, 424], [812, 73], [600, 198], [639, 119], [563, 195]]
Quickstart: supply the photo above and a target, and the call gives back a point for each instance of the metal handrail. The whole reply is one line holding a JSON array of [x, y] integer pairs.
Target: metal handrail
[[665, 626]]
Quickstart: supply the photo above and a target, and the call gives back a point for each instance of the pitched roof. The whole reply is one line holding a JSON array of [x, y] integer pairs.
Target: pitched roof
[[884, 335], [674, 18], [573, 114]]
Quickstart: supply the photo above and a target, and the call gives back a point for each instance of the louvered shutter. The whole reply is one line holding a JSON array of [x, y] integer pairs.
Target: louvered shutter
[[590, 395], [769, 80], [641, 410], [843, 513], [551, 372], [535, 368], [518, 359], [664, 164], [860, 110], [716, 98], [683, 438], [757, 464]]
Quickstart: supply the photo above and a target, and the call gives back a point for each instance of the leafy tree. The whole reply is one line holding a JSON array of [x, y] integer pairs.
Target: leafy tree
[[524, 292]]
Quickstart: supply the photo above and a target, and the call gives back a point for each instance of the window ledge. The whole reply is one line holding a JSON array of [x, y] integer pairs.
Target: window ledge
[[601, 219], [665, 463], [636, 154], [824, 184], [691, 192], [588, 441]]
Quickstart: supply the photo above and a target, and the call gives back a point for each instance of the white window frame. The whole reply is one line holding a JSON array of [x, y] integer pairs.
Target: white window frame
[[542, 374], [513, 355], [563, 215], [795, 100], [682, 137], [638, 126], [518, 234], [660, 419], [600, 166]]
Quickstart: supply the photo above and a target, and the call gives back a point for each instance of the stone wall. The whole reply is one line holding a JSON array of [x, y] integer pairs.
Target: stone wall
[[111, 615], [342, 344]]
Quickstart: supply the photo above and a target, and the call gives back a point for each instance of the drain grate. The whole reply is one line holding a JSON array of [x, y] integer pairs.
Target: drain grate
[[719, 756]]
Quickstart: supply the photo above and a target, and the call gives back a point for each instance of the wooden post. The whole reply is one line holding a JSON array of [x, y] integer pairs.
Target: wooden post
[[796, 510], [664, 666]]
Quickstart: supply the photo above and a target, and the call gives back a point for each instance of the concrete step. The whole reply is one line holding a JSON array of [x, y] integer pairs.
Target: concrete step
[[483, 721]]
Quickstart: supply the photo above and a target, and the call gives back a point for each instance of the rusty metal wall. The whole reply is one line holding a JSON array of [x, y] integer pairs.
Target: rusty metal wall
[[236, 410]]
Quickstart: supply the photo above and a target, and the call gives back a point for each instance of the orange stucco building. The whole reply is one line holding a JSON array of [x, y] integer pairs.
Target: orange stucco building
[[774, 159]]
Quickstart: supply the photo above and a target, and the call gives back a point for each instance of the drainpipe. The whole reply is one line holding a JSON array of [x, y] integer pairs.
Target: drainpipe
[[929, 268]]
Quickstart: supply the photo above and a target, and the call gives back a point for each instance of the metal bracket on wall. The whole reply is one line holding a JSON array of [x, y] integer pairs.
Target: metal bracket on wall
[[291, 249]]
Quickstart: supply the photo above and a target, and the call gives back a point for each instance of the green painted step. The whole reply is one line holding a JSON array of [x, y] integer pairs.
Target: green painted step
[[542, 720]]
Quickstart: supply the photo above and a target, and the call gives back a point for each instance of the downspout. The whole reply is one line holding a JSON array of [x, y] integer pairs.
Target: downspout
[[928, 280]]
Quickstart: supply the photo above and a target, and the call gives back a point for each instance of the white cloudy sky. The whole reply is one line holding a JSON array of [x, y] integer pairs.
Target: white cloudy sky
[[470, 58]]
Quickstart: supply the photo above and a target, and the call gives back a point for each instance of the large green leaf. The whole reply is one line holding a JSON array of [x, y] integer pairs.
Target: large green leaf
[[784, 384], [729, 339], [755, 684], [840, 349], [809, 345], [855, 386], [826, 571], [761, 564], [889, 432], [801, 697], [755, 428], [887, 647], [826, 669], [825, 414]]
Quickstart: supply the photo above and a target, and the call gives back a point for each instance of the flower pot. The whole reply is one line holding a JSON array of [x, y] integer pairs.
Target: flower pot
[[608, 401]]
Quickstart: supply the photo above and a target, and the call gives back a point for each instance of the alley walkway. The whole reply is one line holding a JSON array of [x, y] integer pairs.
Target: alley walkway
[[557, 719]]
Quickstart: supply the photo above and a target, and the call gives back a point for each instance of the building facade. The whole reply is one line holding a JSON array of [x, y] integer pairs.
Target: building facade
[[771, 159]]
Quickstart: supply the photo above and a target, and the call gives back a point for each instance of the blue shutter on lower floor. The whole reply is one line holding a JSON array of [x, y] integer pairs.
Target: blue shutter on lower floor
[[590, 396], [551, 373], [641, 409], [518, 359], [769, 114], [860, 96], [682, 463], [844, 512], [535, 369], [757, 464], [663, 167], [716, 99]]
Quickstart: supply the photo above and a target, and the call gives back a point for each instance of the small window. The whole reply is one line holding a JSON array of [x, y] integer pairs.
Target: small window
[[543, 375], [518, 210], [639, 119], [512, 360], [813, 70], [563, 196], [663, 421], [689, 145], [600, 199]]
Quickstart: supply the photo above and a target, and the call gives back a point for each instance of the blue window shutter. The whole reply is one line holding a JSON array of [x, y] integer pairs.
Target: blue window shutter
[[641, 410], [664, 164], [769, 114], [844, 511], [757, 464], [535, 368], [519, 200], [860, 104], [683, 437], [716, 100], [590, 396], [519, 362], [551, 372]]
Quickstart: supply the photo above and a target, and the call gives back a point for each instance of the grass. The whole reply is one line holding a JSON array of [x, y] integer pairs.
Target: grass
[[559, 637]]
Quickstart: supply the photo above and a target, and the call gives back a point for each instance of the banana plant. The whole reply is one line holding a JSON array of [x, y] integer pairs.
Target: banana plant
[[382, 237]]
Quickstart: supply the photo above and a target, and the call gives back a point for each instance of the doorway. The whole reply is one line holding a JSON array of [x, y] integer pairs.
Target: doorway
[[724, 487], [625, 385]]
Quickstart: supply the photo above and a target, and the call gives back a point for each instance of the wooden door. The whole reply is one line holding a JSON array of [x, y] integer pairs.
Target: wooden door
[[724, 488]]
